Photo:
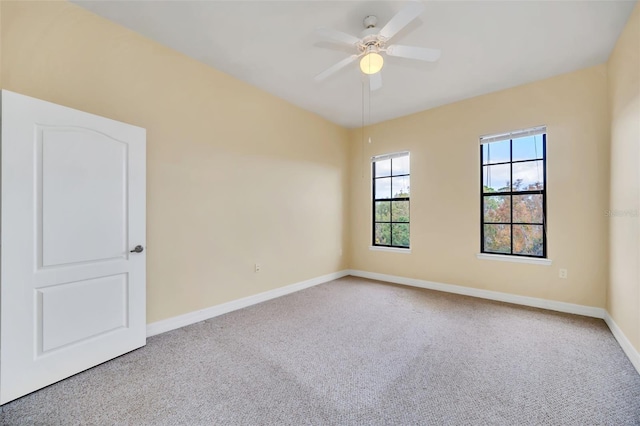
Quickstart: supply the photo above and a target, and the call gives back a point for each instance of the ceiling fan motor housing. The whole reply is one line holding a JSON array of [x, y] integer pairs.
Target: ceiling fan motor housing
[[370, 39]]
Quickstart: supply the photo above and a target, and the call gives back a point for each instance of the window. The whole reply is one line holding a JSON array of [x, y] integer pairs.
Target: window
[[391, 183], [513, 193]]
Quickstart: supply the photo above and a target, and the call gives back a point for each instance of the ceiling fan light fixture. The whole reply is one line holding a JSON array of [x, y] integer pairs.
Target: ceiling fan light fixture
[[371, 63]]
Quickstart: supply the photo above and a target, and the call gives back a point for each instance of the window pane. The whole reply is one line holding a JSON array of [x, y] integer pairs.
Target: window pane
[[400, 234], [400, 186], [383, 188], [527, 148], [496, 152], [383, 168], [528, 176], [382, 211], [527, 208], [400, 166], [496, 178], [383, 233], [527, 239], [497, 238], [400, 211], [497, 208]]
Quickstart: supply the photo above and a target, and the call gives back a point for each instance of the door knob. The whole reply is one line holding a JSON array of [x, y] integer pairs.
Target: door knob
[[138, 249]]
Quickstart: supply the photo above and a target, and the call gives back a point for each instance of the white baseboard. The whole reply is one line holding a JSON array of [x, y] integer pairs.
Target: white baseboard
[[631, 352], [552, 305], [213, 311]]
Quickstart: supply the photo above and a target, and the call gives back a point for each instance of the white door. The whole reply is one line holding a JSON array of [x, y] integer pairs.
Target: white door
[[73, 207]]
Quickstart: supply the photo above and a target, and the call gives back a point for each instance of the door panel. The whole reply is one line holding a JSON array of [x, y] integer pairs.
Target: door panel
[[72, 295], [77, 311], [83, 191]]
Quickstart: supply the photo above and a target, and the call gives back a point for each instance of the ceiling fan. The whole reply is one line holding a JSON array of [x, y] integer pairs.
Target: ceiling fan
[[373, 43]]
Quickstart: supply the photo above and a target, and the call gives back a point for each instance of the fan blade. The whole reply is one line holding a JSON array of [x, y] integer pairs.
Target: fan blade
[[337, 36], [375, 81], [407, 14], [411, 52], [335, 68]]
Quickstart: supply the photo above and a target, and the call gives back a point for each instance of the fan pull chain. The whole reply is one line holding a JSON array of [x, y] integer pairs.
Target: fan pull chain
[[362, 131], [369, 107]]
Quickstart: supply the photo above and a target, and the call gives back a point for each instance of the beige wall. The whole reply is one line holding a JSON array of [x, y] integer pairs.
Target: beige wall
[[624, 100], [445, 182], [235, 175]]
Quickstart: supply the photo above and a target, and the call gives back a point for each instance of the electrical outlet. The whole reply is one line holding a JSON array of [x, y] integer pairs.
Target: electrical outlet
[[258, 267], [563, 273]]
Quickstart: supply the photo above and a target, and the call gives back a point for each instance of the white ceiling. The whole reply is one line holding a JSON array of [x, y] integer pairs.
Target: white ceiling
[[486, 46]]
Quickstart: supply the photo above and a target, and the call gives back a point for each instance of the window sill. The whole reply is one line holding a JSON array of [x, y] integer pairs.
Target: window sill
[[515, 259], [390, 249]]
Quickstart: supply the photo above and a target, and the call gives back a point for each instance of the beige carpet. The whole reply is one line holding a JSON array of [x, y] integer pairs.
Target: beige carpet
[[357, 352]]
